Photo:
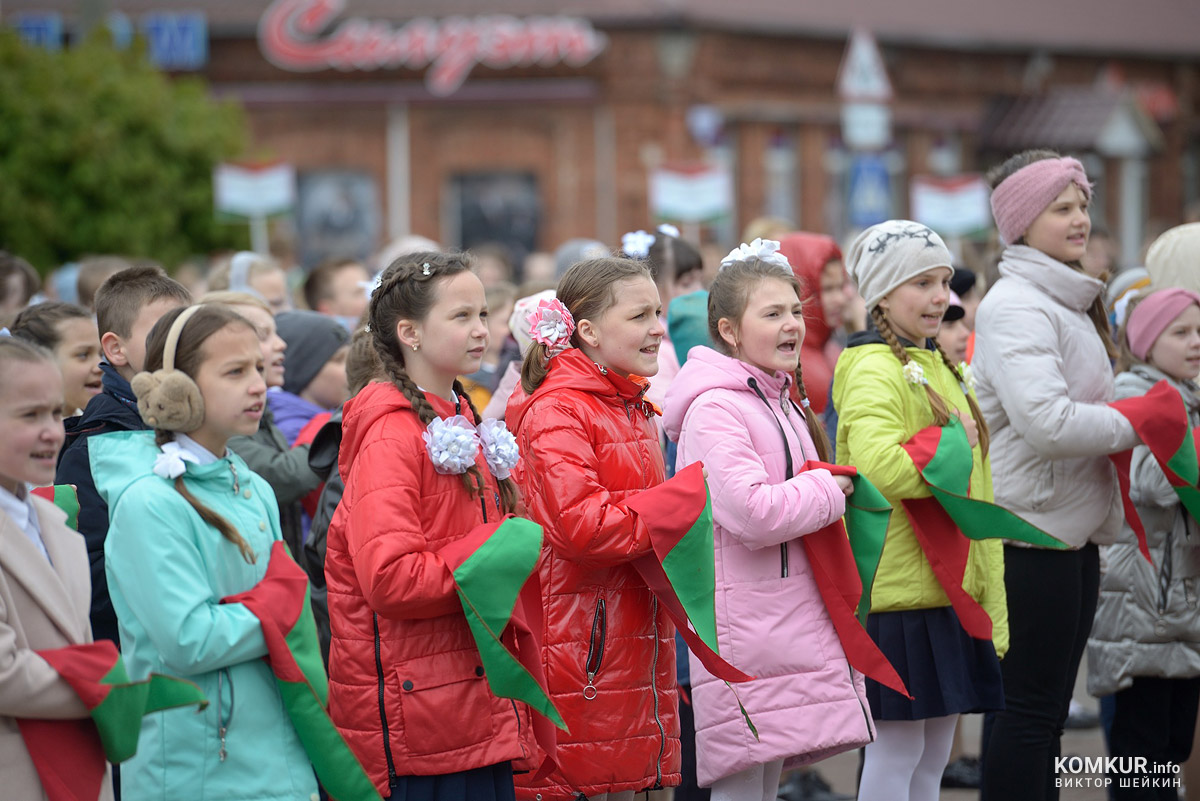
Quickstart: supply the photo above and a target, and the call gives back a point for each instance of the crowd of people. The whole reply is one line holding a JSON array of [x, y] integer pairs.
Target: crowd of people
[[926, 497]]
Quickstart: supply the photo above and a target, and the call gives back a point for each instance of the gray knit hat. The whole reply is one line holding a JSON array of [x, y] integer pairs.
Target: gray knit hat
[[886, 255], [311, 339]]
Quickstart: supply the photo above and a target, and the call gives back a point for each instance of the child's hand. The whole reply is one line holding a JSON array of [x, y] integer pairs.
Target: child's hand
[[846, 485], [968, 424]]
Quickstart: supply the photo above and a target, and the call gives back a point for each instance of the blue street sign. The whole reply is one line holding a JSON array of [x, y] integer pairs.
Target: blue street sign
[[176, 40], [869, 197]]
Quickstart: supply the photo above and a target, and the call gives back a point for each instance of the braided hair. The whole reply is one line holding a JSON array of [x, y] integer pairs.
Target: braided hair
[[407, 291], [941, 412]]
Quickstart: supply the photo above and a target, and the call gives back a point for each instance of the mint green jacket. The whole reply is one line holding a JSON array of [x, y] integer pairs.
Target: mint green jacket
[[167, 572], [878, 411]]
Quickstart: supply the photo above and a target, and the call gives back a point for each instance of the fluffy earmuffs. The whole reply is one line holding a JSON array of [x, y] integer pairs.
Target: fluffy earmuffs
[[169, 399]]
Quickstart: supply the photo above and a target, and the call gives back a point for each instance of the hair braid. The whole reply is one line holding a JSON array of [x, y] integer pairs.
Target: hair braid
[[941, 413], [509, 496], [815, 429], [976, 412], [215, 520]]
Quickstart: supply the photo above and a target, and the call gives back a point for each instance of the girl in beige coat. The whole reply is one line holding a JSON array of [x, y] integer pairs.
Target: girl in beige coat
[[45, 587]]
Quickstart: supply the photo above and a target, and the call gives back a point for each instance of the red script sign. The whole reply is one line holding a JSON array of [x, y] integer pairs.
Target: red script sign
[[289, 31]]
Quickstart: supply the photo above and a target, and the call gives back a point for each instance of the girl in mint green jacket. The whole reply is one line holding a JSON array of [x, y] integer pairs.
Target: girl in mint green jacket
[[890, 384], [190, 525]]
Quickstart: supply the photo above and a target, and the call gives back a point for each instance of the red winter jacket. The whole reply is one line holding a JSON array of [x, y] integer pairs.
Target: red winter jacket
[[402, 661], [587, 444]]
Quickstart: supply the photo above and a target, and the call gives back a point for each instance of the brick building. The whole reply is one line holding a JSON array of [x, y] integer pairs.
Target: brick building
[[560, 122]]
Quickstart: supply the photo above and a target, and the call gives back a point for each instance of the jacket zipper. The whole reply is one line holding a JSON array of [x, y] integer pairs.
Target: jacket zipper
[[662, 732], [866, 714], [787, 455], [595, 655], [387, 741], [223, 725]]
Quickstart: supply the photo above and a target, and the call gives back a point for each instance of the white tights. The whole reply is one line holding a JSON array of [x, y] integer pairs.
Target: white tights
[[759, 783], [906, 761]]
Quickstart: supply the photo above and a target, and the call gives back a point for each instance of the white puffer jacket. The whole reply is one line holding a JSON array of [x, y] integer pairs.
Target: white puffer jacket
[[1147, 623], [1043, 381]]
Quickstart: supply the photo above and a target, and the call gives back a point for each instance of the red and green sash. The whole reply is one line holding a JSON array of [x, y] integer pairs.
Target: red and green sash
[[495, 571], [70, 755], [281, 603], [682, 571], [63, 496], [1160, 419], [946, 522], [844, 559]]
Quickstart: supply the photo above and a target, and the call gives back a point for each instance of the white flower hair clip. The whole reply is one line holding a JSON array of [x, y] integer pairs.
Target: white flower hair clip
[[915, 374], [499, 447], [552, 325], [666, 229], [452, 444], [764, 250], [169, 463], [636, 244], [968, 378]]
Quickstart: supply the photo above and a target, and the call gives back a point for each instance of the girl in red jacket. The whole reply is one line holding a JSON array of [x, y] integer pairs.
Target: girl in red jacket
[[407, 686], [589, 444]]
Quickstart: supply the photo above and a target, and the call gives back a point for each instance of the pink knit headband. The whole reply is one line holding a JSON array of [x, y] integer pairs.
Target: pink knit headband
[[1153, 315], [1025, 194]]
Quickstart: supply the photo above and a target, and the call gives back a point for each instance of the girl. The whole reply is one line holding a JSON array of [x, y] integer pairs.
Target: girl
[[407, 688], [589, 445], [891, 382], [730, 408], [213, 523], [44, 586], [69, 332], [817, 262], [1042, 363], [1145, 643]]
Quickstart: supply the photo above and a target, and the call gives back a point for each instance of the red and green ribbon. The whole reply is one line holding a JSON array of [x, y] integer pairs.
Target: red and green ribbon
[[70, 755], [682, 571], [844, 560], [945, 523], [495, 572], [63, 496], [1160, 419], [280, 601]]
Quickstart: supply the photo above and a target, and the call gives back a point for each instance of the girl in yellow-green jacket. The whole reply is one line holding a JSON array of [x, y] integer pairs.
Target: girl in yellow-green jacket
[[892, 386]]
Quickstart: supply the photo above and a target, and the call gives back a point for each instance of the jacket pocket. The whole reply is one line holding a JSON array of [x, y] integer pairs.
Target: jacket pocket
[[445, 703], [775, 627], [596, 642]]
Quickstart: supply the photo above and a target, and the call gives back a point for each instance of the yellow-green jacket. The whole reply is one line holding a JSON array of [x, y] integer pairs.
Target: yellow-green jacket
[[878, 411]]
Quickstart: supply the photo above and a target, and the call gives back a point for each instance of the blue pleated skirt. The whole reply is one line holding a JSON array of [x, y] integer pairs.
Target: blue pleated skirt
[[491, 783], [947, 671]]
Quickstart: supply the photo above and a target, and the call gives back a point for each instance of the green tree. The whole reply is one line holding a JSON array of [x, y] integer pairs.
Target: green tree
[[102, 153]]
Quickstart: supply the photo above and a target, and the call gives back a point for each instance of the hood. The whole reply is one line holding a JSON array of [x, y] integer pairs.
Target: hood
[[377, 400], [1070, 287], [707, 369], [808, 254], [571, 369], [1139, 378], [122, 458]]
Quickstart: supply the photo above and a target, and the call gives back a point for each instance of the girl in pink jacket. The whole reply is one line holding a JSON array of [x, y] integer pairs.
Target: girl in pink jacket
[[730, 409]]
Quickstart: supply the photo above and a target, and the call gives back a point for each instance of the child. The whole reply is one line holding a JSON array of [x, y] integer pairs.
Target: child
[[589, 445], [285, 469], [19, 282], [1042, 365], [213, 523], [314, 378], [953, 335], [127, 306], [407, 688], [43, 564], [730, 408], [890, 383], [1145, 642], [338, 289], [69, 332], [258, 275], [817, 261]]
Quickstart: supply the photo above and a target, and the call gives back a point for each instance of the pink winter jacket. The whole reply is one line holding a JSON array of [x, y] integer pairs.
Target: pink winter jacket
[[771, 620]]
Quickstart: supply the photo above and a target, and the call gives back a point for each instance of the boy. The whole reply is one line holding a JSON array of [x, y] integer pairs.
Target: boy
[[338, 289], [128, 305]]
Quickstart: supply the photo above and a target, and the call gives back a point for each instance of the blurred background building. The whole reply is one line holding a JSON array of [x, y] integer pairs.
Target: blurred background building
[[449, 119]]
